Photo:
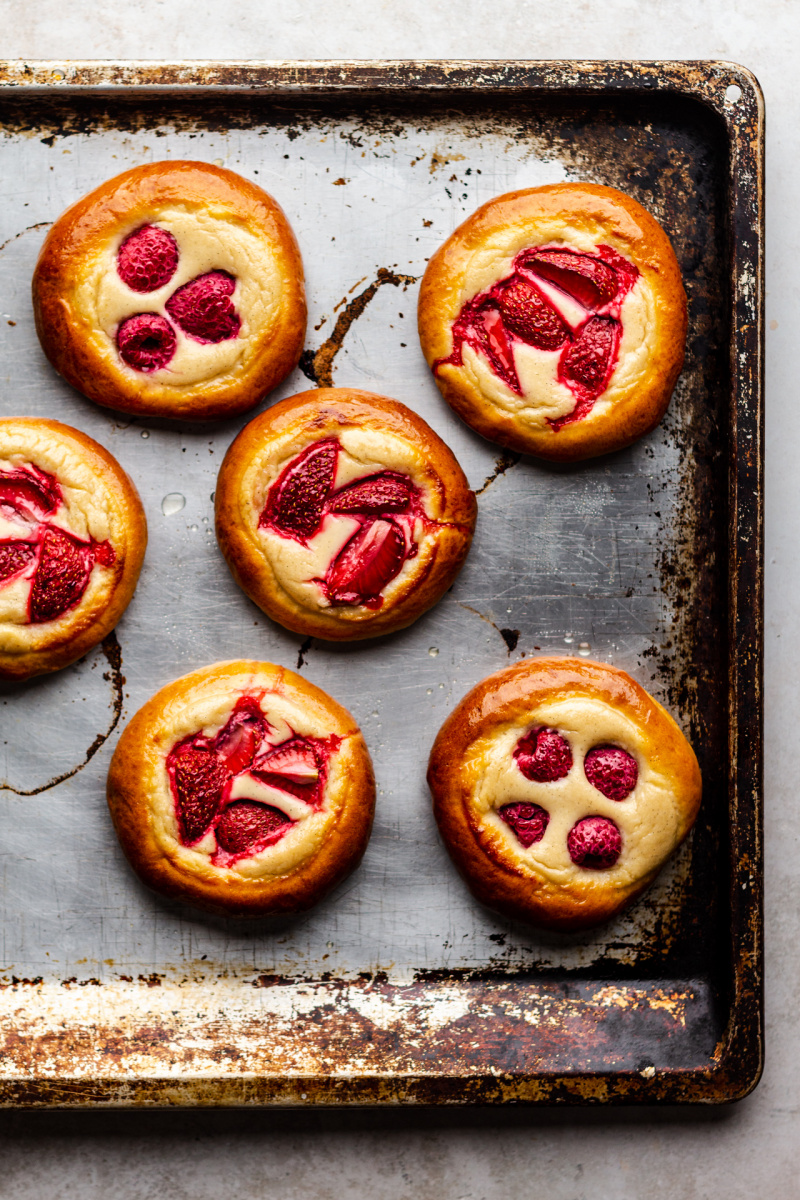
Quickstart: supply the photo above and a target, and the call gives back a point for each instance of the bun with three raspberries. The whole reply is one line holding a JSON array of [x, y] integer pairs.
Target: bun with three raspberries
[[72, 540], [560, 788], [554, 320], [173, 290], [342, 514], [242, 789]]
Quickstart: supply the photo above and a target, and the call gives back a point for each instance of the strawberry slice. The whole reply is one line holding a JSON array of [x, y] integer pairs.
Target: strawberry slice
[[238, 741], [589, 359], [33, 490], [296, 500], [198, 779], [384, 493], [372, 557], [527, 314], [15, 557], [61, 576], [295, 759], [588, 280], [247, 827]]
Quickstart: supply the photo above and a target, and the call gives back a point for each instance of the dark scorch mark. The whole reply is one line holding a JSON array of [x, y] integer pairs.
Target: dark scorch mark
[[304, 649], [30, 228], [509, 636], [318, 366], [111, 649], [505, 462]]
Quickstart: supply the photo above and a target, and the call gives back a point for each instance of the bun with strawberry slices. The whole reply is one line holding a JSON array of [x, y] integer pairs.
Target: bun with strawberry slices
[[554, 320], [342, 514], [173, 290], [72, 540], [242, 789]]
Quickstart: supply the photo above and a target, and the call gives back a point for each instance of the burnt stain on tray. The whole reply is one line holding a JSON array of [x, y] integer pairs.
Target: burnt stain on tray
[[675, 1014]]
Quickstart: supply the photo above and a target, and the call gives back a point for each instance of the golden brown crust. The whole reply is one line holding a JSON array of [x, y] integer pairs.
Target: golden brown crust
[[594, 211], [313, 416], [115, 209], [61, 642], [138, 765], [507, 699]]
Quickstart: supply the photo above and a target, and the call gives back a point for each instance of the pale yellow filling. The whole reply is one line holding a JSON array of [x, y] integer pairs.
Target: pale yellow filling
[[649, 819]]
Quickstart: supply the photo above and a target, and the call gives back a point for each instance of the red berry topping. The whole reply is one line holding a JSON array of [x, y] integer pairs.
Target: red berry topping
[[388, 492], [296, 500], [595, 842], [146, 342], [61, 576], [247, 827], [589, 359], [203, 309], [241, 737], [199, 779], [29, 491], [372, 557], [529, 821], [15, 557], [147, 259], [612, 771], [543, 755], [589, 280], [527, 314], [295, 761]]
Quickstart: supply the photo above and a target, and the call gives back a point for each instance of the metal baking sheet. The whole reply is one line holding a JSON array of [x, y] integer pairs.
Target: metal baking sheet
[[400, 987]]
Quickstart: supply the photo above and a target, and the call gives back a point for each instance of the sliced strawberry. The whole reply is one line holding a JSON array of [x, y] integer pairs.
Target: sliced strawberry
[[238, 742], [61, 576], [590, 358], [372, 557], [15, 557], [527, 314], [198, 781], [529, 821], [295, 759], [246, 827], [147, 259], [297, 498], [32, 490], [203, 308], [388, 492], [588, 280]]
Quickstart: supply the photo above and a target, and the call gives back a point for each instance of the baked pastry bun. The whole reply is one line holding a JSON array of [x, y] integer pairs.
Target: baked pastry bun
[[554, 320], [342, 514], [72, 539], [242, 789], [173, 290], [560, 787]]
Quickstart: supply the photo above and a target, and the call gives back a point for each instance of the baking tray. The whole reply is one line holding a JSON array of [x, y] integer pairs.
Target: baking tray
[[400, 988]]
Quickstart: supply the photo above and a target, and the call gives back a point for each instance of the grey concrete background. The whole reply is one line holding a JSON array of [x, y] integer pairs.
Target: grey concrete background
[[748, 1150]]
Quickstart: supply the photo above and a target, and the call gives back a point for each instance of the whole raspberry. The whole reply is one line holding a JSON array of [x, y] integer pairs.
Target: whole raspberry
[[529, 821], [146, 342], [543, 755], [147, 259], [612, 771], [595, 842], [203, 308]]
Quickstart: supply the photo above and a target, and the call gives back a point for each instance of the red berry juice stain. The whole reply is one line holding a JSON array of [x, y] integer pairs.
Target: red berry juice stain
[[147, 259], [612, 771], [529, 821], [595, 843], [517, 309], [543, 755]]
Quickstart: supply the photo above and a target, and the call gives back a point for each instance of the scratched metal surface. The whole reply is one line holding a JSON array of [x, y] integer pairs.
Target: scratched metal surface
[[623, 559]]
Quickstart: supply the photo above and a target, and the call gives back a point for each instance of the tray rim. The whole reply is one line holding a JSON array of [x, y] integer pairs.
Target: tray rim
[[737, 1063]]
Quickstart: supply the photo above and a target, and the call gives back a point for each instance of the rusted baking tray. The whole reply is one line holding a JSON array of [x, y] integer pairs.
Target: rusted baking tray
[[399, 987]]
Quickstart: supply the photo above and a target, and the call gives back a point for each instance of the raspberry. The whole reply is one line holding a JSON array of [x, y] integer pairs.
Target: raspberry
[[147, 259], [529, 821], [595, 843], [146, 342], [203, 308], [612, 771], [543, 755]]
